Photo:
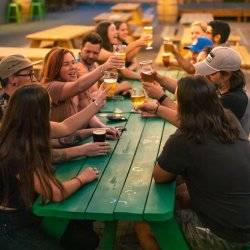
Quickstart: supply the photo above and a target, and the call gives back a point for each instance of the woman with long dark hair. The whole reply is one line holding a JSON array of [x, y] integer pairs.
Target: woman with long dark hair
[[26, 171], [212, 154]]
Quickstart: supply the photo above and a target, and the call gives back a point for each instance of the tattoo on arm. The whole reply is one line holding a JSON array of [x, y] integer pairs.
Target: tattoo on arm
[[58, 155]]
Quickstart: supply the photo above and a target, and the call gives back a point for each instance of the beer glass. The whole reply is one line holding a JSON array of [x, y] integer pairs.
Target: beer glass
[[99, 135], [137, 97], [147, 73], [168, 45], [166, 59], [110, 82], [148, 31], [120, 51]]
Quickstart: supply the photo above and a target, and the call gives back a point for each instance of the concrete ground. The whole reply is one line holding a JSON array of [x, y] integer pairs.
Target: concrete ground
[[14, 35]]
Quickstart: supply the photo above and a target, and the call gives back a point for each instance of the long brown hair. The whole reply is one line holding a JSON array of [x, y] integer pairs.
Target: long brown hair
[[102, 30], [24, 145], [53, 64], [201, 113]]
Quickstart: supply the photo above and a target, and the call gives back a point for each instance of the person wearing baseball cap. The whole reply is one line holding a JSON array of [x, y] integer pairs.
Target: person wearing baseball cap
[[222, 67], [199, 44], [15, 71]]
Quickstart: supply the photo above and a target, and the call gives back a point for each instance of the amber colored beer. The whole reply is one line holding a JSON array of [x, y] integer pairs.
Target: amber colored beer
[[166, 59], [168, 46], [137, 99], [148, 30], [147, 76], [110, 85], [99, 135], [121, 55]]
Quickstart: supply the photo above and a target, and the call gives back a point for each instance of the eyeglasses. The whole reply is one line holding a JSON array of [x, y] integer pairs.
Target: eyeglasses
[[31, 74]]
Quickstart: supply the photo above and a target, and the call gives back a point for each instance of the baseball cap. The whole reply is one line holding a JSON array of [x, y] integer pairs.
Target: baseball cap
[[200, 43], [12, 64], [219, 59]]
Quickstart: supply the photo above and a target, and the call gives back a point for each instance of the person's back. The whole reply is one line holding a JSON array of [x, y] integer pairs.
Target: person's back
[[212, 153], [217, 176]]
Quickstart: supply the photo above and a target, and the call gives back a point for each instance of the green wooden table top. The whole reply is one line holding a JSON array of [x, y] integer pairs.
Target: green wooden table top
[[125, 189]]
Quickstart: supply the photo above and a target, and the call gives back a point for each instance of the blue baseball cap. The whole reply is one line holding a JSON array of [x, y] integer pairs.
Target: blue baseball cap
[[200, 44]]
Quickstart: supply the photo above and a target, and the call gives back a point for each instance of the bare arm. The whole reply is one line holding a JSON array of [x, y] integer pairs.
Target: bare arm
[[79, 120], [161, 176], [184, 63], [87, 149], [166, 82], [69, 187]]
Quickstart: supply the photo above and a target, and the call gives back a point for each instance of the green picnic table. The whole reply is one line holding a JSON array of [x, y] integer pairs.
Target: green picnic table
[[125, 189]]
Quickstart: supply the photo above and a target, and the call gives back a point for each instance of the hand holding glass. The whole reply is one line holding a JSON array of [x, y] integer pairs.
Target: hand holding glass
[[120, 52], [148, 30]]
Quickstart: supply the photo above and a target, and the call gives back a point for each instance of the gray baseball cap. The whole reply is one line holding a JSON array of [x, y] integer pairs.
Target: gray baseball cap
[[219, 59], [12, 64]]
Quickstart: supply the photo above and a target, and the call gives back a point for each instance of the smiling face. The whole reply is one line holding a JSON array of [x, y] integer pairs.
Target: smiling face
[[112, 34], [90, 53], [123, 32], [68, 71]]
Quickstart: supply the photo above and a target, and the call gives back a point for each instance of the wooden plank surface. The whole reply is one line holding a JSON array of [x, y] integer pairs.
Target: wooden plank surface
[[245, 56], [34, 54], [108, 191], [125, 6], [111, 16], [135, 191], [188, 18], [158, 208], [61, 33]]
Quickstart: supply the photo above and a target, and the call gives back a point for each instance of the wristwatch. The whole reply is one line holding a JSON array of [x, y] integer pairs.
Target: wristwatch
[[162, 98]]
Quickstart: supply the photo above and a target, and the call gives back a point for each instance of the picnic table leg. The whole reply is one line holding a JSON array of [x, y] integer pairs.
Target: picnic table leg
[[169, 235], [55, 227], [109, 235]]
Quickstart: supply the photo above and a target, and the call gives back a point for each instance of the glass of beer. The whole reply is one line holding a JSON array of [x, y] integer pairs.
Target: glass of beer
[[99, 135], [120, 52], [147, 73], [137, 97], [166, 59], [148, 31], [110, 82], [168, 45]]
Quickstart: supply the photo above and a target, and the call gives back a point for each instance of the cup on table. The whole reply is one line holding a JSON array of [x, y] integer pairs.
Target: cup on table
[[120, 51], [146, 71], [166, 59], [110, 82], [148, 30], [99, 135], [137, 97]]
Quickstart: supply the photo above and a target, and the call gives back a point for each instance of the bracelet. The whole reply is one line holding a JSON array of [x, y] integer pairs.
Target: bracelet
[[162, 98], [78, 179], [156, 110]]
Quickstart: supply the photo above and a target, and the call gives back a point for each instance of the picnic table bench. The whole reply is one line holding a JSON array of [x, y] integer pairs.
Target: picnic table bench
[[111, 16], [135, 9], [63, 36], [125, 189], [34, 54], [189, 18]]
